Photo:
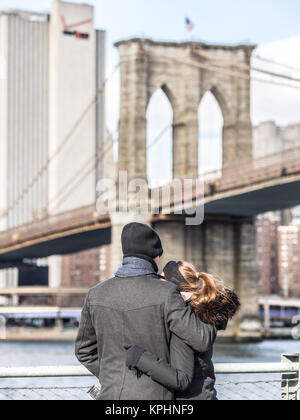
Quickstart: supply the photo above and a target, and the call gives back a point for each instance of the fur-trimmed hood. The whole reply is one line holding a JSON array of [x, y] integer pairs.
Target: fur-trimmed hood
[[220, 310]]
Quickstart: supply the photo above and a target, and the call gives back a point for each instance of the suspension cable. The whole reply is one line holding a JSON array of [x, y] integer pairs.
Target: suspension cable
[[61, 145]]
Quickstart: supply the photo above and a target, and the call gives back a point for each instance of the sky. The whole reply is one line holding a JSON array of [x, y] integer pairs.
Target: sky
[[228, 21], [225, 21], [272, 25]]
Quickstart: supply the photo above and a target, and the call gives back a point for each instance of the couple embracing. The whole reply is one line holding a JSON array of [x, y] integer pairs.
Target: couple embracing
[[147, 336]]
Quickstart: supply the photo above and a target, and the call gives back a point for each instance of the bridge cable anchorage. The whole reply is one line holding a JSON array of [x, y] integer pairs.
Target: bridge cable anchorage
[[65, 140], [99, 158], [234, 73]]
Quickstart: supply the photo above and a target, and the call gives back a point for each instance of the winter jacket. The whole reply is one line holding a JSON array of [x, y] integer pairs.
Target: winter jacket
[[196, 367], [141, 310]]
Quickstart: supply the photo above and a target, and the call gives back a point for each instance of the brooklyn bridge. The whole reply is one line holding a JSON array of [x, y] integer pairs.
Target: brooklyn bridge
[[225, 243]]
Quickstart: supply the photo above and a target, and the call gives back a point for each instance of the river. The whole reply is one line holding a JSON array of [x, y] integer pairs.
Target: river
[[54, 354]]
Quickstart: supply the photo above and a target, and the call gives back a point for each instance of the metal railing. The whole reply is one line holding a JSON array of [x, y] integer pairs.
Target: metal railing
[[236, 175], [254, 170], [285, 388]]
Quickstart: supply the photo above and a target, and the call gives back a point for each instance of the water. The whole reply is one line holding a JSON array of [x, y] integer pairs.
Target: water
[[268, 351], [17, 354], [54, 354], [252, 386]]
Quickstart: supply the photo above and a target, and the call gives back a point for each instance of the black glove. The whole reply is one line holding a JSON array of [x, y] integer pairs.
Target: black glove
[[133, 355], [222, 325]]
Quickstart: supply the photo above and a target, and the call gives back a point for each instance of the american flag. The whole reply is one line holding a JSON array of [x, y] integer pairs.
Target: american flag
[[189, 24]]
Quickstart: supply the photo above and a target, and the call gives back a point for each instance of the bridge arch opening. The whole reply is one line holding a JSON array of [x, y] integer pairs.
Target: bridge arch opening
[[211, 123], [159, 138]]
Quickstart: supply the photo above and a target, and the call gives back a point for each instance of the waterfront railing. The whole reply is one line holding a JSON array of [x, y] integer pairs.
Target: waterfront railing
[[285, 386]]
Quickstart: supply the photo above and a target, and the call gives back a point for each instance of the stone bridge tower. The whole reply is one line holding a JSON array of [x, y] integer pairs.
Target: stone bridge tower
[[225, 246], [185, 74]]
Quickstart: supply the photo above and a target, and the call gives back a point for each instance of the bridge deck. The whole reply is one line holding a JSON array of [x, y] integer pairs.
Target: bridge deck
[[241, 190]]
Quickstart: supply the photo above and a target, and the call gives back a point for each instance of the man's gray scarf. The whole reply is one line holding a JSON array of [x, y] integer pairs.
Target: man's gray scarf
[[136, 267]]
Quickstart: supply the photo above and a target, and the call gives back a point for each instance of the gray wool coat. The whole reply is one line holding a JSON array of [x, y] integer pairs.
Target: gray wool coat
[[144, 311]]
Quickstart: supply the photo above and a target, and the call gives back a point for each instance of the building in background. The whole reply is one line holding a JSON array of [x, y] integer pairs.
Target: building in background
[[289, 260], [269, 139], [51, 67], [267, 252], [84, 269], [278, 254], [296, 216], [278, 247], [24, 114]]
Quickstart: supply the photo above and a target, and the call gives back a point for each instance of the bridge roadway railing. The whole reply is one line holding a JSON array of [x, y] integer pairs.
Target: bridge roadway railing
[[251, 171], [244, 173], [52, 224], [235, 381]]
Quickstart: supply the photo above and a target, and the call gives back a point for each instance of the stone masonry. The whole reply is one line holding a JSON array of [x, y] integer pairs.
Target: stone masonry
[[147, 65], [226, 248]]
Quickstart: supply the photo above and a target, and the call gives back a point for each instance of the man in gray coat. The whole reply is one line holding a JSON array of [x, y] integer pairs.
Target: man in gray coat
[[136, 307]]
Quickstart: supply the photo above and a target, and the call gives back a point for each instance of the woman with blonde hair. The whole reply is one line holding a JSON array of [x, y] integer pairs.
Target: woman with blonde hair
[[190, 375]]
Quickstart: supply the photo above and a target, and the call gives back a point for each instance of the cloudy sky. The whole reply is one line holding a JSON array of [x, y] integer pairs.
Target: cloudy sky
[[272, 25]]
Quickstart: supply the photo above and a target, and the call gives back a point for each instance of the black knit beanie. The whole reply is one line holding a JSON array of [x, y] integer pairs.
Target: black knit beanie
[[141, 241]]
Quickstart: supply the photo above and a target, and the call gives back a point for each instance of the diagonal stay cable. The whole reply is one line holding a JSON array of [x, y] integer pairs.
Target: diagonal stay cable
[[99, 159], [79, 172], [87, 173], [158, 138], [244, 66], [225, 72], [275, 63]]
